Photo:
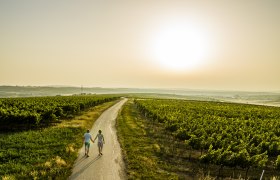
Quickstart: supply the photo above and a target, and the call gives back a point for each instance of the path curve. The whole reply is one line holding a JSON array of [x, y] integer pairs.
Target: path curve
[[110, 165]]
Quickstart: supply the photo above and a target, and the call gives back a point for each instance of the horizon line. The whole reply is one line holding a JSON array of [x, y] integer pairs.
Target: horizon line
[[144, 88]]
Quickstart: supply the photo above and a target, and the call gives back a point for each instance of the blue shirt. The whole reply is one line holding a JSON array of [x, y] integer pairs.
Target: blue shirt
[[87, 137]]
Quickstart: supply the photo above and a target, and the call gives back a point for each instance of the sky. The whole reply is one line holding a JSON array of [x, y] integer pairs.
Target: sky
[[189, 44]]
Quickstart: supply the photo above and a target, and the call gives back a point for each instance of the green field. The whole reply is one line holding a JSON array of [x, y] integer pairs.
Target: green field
[[197, 138], [160, 138], [32, 112], [46, 151]]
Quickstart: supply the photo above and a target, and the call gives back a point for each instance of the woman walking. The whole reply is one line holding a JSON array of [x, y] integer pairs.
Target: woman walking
[[101, 141]]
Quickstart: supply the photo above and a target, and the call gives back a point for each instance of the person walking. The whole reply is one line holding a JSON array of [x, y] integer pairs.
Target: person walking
[[87, 139], [101, 141]]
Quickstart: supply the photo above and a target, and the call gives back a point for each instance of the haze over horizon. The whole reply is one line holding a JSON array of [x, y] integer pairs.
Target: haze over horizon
[[191, 44]]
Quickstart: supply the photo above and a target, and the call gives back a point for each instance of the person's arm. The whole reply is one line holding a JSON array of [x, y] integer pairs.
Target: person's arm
[[103, 139], [91, 139], [95, 138]]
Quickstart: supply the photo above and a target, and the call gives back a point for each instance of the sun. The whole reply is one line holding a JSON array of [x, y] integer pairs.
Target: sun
[[180, 46]]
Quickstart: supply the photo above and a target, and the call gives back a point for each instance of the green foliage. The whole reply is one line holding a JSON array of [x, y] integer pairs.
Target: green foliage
[[19, 113], [277, 162], [31, 151], [48, 153], [233, 134], [140, 152]]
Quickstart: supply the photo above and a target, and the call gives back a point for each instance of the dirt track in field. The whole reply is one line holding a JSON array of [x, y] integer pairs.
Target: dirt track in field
[[110, 165]]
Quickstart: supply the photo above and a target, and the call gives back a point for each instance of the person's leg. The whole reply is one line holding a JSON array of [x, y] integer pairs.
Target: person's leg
[[88, 149], [101, 147], [87, 145]]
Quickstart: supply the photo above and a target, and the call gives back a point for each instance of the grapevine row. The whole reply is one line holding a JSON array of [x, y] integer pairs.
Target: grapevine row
[[34, 111], [233, 135]]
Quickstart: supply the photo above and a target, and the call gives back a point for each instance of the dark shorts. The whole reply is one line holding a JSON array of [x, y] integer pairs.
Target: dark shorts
[[87, 144]]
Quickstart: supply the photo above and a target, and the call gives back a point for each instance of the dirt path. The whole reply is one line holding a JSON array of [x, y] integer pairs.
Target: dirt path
[[110, 165]]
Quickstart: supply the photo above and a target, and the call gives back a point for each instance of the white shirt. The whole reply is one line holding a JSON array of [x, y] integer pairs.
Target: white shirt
[[100, 138]]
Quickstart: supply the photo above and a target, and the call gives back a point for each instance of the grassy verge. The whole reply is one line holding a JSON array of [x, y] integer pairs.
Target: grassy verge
[[139, 150], [47, 153]]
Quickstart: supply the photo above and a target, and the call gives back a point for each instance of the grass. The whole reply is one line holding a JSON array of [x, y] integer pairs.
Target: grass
[[140, 151], [151, 152], [46, 153]]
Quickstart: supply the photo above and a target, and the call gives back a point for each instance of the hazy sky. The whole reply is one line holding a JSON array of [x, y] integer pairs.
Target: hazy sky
[[228, 45]]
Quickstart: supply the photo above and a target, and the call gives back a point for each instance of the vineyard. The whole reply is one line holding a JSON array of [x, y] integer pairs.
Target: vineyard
[[226, 134], [35, 111], [50, 133]]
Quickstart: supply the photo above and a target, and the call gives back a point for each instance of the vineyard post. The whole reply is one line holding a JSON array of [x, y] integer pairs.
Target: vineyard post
[[262, 175]]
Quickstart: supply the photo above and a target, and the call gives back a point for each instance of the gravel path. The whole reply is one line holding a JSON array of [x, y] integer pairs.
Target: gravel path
[[110, 165]]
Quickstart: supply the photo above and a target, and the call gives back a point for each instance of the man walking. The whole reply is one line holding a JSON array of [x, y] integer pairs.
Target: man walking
[[87, 139]]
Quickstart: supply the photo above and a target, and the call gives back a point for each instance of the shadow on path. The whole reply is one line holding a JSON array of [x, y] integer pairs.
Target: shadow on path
[[80, 160], [75, 175]]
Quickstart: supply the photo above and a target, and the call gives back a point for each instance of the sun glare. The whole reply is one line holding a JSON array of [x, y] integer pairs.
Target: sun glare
[[180, 46]]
